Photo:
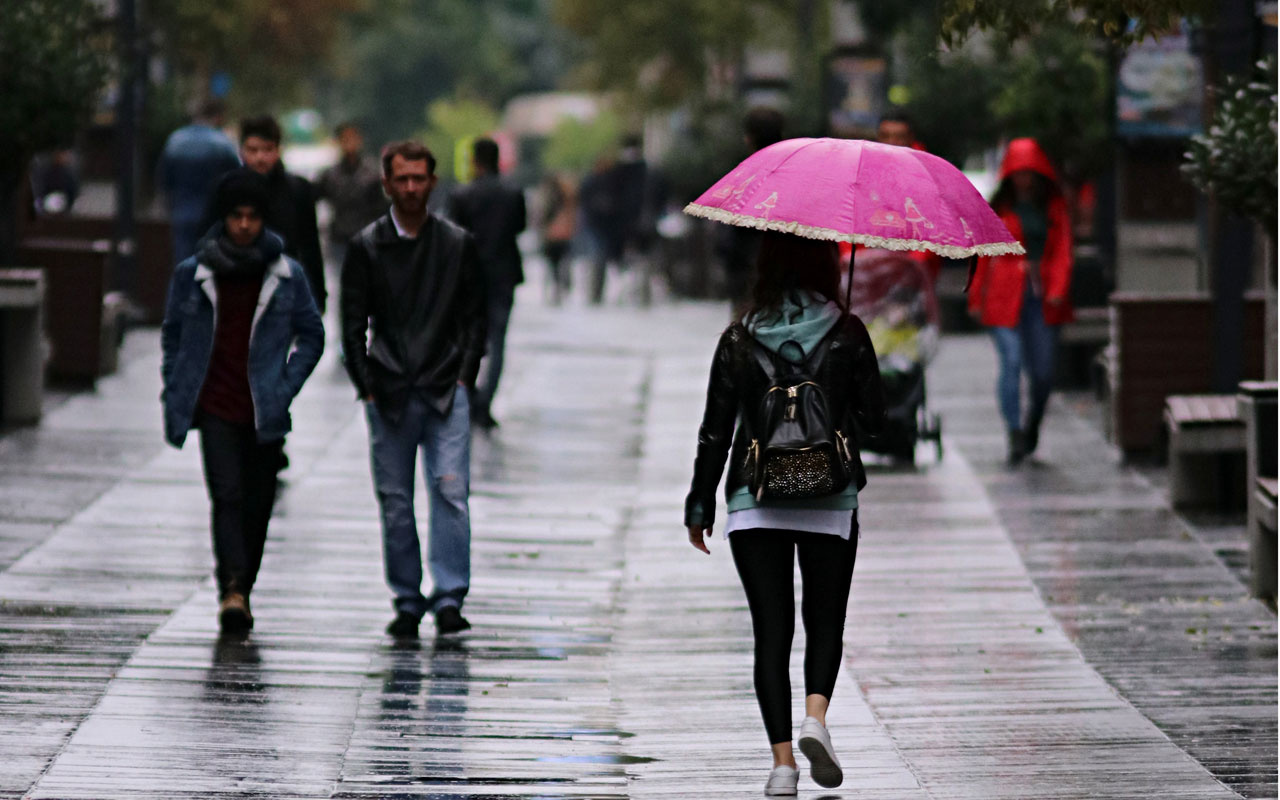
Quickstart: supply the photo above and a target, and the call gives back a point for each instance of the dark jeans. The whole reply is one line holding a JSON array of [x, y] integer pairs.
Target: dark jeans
[[765, 561], [499, 310], [240, 474], [1031, 347]]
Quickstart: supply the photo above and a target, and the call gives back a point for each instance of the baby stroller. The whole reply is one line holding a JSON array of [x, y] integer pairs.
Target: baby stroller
[[893, 294]]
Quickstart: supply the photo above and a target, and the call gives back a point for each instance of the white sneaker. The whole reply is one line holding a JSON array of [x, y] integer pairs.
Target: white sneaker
[[815, 743], [782, 782]]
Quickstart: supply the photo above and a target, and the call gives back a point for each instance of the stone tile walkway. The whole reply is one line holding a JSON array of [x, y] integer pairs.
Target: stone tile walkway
[[1011, 635]]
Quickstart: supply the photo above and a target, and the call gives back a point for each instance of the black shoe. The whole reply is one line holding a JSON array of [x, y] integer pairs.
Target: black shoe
[[404, 626], [1017, 448], [450, 620], [1032, 439]]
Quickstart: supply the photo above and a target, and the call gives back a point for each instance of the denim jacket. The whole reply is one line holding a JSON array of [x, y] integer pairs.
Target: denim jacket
[[285, 342]]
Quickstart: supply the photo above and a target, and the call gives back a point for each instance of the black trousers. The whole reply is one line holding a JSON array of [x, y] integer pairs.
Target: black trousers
[[765, 560], [240, 474]]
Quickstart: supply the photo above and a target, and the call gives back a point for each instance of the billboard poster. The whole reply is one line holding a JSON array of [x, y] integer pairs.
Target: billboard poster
[[1159, 89]]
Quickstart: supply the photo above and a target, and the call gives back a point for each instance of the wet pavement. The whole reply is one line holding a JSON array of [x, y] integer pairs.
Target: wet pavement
[[1048, 633]]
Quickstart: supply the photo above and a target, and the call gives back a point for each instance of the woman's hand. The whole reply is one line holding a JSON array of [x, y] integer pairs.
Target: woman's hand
[[697, 536]]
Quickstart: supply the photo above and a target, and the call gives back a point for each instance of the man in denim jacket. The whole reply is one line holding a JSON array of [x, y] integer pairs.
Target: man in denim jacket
[[241, 334]]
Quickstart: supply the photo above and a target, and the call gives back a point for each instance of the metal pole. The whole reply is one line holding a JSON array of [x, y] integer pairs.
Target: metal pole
[[123, 275], [1230, 52]]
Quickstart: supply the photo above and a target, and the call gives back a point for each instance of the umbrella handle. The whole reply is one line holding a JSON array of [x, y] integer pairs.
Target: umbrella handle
[[848, 286], [973, 267]]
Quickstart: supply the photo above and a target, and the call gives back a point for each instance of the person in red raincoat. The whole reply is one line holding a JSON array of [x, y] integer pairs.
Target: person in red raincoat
[[1023, 299]]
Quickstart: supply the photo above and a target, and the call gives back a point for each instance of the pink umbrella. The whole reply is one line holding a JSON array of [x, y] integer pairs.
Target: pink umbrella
[[849, 190]]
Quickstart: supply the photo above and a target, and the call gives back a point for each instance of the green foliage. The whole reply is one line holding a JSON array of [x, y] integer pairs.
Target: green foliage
[[404, 54], [950, 95], [661, 52], [450, 121], [1235, 161], [271, 48], [1017, 19], [575, 144], [1051, 86], [55, 62], [1054, 88]]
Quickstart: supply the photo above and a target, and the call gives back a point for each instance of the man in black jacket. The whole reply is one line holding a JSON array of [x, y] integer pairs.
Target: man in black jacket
[[413, 330], [494, 212], [291, 204]]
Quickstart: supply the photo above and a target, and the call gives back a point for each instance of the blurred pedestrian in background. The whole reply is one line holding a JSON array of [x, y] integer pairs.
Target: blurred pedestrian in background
[[55, 182], [494, 212], [739, 247], [194, 157], [241, 333], [896, 128], [1023, 299], [291, 202], [353, 188], [559, 223], [795, 316], [600, 199], [413, 333]]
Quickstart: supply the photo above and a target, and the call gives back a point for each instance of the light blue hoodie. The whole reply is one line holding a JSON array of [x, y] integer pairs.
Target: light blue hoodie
[[804, 320]]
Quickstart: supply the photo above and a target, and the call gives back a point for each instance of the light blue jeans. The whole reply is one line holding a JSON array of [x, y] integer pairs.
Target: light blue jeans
[[1031, 346], [445, 443]]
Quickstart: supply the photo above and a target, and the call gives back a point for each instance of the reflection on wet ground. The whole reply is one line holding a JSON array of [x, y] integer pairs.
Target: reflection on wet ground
[[608, 660]]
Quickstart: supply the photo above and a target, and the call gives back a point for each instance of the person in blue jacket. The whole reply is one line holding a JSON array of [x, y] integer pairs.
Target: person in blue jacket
[[194, 157], [241, 333]]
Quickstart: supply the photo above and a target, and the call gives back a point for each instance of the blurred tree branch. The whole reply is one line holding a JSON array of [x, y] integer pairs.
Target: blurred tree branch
[[1016, 19]]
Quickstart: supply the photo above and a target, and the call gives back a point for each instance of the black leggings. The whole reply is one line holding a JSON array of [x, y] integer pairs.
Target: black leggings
[[764, 559]]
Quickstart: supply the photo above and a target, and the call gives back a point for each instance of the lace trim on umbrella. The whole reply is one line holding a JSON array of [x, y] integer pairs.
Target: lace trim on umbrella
[[867, 240]]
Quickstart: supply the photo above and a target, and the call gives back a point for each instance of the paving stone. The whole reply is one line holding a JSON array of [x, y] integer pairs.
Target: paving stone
[[1010, 635]]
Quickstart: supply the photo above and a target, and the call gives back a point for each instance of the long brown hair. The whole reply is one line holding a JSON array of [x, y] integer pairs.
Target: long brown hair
[[788, 263]]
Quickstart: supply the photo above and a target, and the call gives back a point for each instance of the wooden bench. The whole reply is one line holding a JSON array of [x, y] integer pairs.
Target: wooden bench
[[21, 346], [1257, 402], [75, 273], [1206, 451]]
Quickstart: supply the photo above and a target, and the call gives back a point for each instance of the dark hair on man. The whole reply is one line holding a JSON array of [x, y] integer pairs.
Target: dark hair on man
[[409, 150], [898, 115], [348, 125], [484, 151], [788, 263], [211, 110], [264, 127], [763, 126]]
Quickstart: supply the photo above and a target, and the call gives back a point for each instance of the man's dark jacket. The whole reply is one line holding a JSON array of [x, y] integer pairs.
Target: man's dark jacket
[[849, 376], [494, 212], [413, 314], [291, 213]]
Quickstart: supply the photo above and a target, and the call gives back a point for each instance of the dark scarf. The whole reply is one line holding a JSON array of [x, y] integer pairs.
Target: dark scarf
[[229, 260]]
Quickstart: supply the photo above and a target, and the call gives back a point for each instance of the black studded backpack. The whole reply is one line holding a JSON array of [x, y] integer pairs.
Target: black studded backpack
[[795, 449]]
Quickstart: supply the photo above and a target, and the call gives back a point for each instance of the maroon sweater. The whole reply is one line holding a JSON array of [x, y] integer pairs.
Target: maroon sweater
[[225, 393]]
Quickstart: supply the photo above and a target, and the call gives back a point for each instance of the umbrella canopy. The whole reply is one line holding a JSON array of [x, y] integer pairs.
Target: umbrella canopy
[[850, 190]]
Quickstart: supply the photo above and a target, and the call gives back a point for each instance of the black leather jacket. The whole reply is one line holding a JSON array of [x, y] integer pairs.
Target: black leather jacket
[[425, 303], [849, 376]]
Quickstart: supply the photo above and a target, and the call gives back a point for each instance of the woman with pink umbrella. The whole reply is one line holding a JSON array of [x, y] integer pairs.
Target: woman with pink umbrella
[[794, 384]]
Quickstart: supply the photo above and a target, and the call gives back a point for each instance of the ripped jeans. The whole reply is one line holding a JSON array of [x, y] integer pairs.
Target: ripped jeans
[[445, 443]]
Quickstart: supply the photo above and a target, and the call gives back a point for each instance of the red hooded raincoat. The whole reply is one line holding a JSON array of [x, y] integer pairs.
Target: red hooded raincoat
[[999, 283]]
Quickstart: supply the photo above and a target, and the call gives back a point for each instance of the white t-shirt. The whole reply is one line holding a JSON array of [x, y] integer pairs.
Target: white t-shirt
[[836, 522]]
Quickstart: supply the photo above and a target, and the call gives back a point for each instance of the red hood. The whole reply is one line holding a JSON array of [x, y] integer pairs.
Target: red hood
[[1025, 153]]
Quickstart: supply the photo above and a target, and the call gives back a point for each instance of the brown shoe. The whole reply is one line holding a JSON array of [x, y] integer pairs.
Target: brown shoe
[[233, 613]]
